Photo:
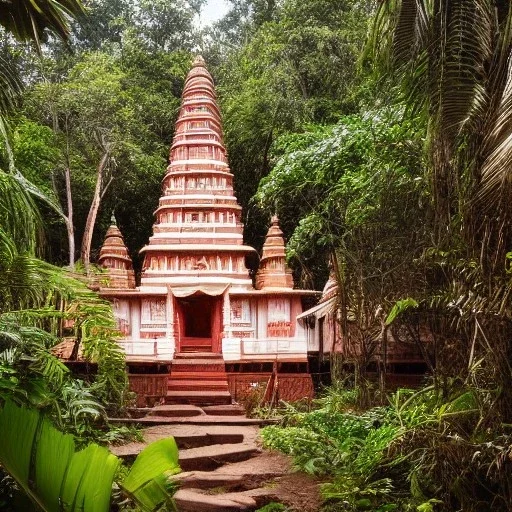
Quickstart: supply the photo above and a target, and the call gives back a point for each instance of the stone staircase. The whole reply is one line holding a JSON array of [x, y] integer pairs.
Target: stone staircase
[[223, 466], [198, 378]]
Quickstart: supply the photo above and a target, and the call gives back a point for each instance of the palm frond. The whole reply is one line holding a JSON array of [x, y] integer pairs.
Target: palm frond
[[495, 172], [406, 32], [28, 19], [10, 85]]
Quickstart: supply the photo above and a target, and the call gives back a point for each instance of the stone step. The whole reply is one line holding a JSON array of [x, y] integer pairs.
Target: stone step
[[197, 355], [188, 500], [196, 420], [196, 365], [197, 349], [197, 385], [208, 458], [224, 410], [198, 397], [210, 480], [187, 374], [233, 482], [184, 442], [192, 368], [176, 411]]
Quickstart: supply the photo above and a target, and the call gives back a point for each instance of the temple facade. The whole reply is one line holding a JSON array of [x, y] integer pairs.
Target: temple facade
[[196, 304]]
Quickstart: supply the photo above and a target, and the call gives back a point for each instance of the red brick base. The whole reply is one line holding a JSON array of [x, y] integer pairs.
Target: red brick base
[[291, 386]]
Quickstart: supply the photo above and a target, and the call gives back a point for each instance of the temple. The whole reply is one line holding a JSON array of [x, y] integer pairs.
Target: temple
[[197, 329]]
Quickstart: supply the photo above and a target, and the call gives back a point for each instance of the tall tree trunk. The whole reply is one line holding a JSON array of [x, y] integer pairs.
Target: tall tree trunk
[[383, 359], [85, 251], [69, 219]]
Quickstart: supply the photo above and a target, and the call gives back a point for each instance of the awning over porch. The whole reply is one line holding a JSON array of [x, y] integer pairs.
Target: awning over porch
[[185, 290], [319, 310]]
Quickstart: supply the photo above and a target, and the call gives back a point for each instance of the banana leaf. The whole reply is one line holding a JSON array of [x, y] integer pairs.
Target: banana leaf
[[44, 463], [148, 480], [57, 479]]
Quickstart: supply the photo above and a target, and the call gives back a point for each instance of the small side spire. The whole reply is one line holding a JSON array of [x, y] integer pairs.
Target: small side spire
[[199, 62], [115, 258], [273, 271]]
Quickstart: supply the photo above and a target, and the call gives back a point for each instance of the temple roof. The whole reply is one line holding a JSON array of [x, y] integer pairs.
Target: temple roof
[[114, 248], [115, 258]]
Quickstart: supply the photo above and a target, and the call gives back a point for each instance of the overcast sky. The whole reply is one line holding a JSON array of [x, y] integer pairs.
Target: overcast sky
[[213, 11]]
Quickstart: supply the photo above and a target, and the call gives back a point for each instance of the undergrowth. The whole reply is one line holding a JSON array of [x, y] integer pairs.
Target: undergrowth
[[419, 453]]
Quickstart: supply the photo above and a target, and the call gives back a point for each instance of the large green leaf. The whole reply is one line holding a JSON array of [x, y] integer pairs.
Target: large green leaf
[[147, 481], [44, 463]]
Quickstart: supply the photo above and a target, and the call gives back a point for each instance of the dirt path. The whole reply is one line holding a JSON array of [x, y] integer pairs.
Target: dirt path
[[224, 467]]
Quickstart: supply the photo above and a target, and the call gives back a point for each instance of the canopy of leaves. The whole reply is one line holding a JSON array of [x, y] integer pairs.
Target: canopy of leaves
[[357, 187], [299, 66]]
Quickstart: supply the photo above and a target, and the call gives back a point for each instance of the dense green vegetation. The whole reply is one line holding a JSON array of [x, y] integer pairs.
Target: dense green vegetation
[[378, 131], [40, 306], [417, 453]]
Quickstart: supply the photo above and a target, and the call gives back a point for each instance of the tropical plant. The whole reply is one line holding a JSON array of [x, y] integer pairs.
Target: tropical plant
[[45, 465], [358, 189], [27, 19], [452, 58], [278, 82], [452, 61], [422, 452]]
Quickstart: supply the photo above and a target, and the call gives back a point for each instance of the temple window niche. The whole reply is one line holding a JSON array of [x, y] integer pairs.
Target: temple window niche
[[278, 310], [240, 311]]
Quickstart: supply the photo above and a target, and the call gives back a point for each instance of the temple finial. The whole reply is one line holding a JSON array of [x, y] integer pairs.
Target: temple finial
[[113, 221], [198, 62]]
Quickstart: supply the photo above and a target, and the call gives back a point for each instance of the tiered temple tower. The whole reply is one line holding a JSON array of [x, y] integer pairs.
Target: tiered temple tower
[[196, 309], [198, 230]]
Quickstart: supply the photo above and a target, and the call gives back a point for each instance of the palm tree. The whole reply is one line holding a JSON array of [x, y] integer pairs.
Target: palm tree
[[453, 59], [33, 293], [28, 19]]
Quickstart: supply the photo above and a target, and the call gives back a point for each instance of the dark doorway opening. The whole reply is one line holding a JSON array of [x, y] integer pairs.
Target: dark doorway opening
[[197, 316]]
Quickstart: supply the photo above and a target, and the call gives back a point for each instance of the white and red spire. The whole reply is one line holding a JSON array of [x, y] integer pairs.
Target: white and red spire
[[198, 232]]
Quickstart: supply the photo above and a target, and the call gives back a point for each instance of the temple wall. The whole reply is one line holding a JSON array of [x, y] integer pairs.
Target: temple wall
[[254, 328], [152, 388], [292, 387]]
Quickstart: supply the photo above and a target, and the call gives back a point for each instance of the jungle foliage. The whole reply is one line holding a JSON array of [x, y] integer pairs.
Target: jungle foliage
[[39, 466], [435, 263], [419, 452], [56, 477]]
